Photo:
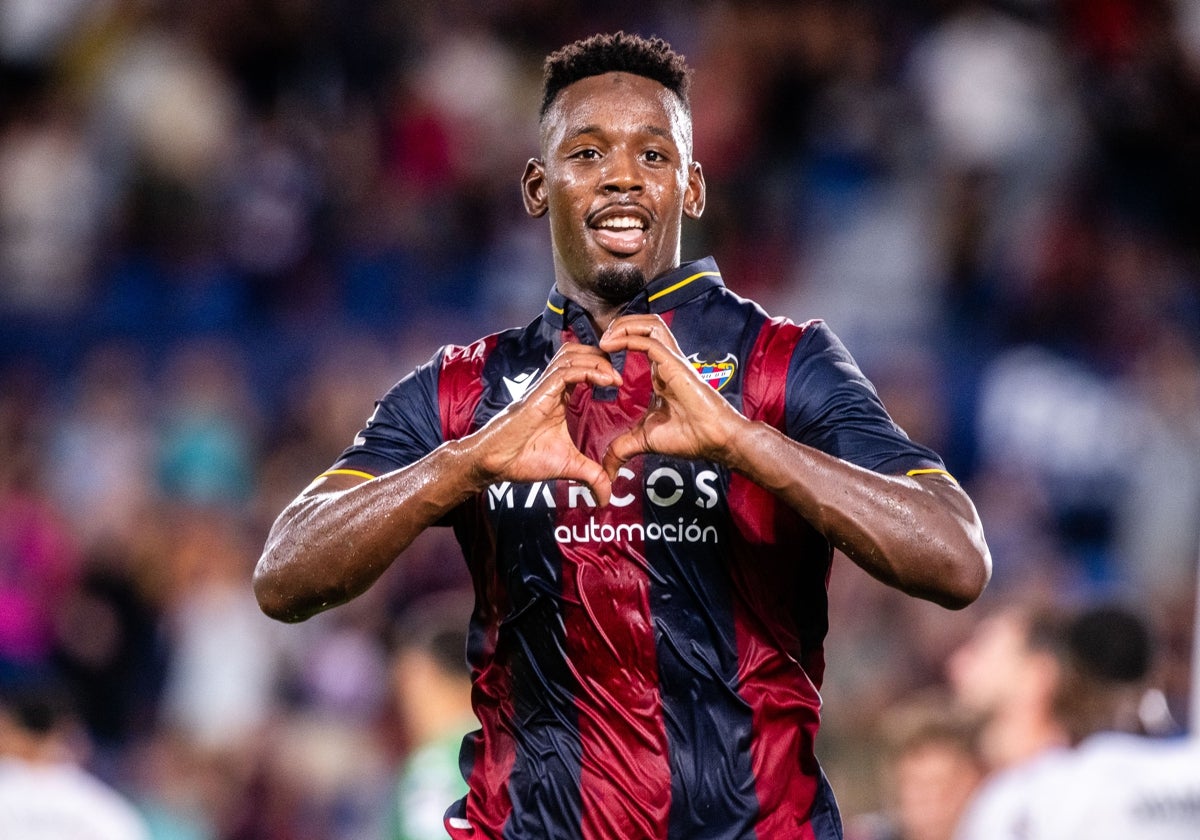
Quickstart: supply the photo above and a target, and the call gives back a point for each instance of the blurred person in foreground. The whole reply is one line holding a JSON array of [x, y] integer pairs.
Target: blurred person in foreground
[[932, 767], [45, 792], [1113, 778], [648, 483], [433, 696], [1009, 672]]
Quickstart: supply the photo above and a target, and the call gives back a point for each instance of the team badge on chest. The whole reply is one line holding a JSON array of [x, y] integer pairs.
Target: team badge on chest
[[716, 374]]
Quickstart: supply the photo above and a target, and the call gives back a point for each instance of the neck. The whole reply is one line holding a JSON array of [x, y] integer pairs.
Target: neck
[[1010, 739]]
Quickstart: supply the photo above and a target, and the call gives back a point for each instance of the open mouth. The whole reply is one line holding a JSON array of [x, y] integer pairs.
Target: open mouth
[[619, 231]]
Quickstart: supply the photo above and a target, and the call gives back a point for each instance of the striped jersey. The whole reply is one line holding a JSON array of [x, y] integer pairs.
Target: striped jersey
[[647, 669]]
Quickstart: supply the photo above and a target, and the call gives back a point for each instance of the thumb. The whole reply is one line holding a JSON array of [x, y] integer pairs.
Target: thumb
[[593, 475], [624, 446]]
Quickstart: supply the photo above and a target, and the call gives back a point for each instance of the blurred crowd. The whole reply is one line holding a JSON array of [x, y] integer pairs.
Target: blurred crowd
[[227, 227]]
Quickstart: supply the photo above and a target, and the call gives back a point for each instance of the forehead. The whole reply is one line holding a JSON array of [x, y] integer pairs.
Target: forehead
[[616, 101]]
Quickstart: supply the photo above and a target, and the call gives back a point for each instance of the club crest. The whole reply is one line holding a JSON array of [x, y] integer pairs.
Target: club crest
[[716, 374]]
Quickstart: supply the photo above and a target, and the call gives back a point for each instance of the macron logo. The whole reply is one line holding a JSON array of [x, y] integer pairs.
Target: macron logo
[[518, 385]]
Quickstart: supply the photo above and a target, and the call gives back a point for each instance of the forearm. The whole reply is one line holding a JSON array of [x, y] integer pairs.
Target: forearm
[[334, 540], [922, 536]]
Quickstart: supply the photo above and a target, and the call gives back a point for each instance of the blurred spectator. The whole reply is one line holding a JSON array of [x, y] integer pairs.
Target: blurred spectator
[[433, 694], [209, 426], [932, 767], [1069, 432], [1010, 672], [1157, 528], [44, 790], [39, 560], [50, 213], [1117, 781], [101, 466], [224, 658]]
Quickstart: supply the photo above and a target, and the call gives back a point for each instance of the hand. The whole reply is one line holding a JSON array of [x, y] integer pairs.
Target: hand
[[529, 441], [686, 417]]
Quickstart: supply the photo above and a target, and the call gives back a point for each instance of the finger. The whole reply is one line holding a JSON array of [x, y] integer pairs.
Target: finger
[[574, 350], [592, 474], [624, 446], [568, 371], [599, 377], [654, 348], [651, 326]]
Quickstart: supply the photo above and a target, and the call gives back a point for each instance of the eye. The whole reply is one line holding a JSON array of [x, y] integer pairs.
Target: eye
[[654, 156], [586, 154]]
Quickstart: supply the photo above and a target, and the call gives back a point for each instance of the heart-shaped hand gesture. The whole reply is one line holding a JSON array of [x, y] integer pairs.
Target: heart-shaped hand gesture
[[686, 418]]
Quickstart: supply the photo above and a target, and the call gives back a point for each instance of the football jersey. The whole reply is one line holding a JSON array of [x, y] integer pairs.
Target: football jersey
[[650, 668], [1115, 786]]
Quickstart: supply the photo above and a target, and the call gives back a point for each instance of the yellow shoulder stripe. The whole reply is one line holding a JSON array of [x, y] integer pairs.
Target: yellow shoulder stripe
[[358, 473], [930, 471]]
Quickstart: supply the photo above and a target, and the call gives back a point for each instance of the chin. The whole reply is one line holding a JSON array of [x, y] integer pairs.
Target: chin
[[619, 283]]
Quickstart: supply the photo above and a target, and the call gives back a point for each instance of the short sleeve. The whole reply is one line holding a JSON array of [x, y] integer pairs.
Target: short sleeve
[[404, 427], [833, 407]]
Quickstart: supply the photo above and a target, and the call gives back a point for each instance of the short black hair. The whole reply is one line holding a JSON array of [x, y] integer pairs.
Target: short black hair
[[617, 52], [1110, 644], [38, 702]]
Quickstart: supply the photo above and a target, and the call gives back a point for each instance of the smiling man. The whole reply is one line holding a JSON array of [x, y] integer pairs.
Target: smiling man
[[648, 483]]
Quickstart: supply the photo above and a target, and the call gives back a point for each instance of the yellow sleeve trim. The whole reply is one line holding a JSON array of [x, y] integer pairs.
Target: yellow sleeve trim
[[358, 473], [932, 471]]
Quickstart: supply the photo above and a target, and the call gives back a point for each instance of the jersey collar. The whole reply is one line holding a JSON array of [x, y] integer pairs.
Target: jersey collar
[[664, 293]]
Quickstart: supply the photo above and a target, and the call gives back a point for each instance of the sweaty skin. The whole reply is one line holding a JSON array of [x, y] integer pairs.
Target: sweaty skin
[[616, 178]]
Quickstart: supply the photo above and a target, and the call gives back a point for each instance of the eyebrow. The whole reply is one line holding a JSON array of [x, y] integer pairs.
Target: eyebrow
[[596, 129]]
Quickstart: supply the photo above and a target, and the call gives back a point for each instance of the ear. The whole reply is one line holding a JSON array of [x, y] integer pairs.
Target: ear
[[694, 197], [533, 188]]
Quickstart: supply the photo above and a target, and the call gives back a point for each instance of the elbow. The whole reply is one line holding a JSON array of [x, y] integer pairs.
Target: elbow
[[965, 580], [271, 597]]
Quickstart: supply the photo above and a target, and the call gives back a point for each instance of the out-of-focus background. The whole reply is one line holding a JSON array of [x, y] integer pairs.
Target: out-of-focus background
[[227, 227]]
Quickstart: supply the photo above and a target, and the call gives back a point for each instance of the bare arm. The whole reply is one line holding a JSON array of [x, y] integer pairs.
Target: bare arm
[[338, 536], [919, 534]]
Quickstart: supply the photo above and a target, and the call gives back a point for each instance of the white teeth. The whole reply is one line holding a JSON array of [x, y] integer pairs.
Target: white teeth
[[621, 223]]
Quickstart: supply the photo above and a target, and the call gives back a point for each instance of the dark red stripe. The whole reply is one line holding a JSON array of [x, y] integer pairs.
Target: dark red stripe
[[625, 777], [460, 386], [489, 803]]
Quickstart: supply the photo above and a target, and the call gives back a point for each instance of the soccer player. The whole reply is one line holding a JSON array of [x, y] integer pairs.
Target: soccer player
[[1112, 781], [648, 483]]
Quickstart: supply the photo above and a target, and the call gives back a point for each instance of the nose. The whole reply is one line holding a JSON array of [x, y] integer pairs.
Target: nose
[[621, 173]]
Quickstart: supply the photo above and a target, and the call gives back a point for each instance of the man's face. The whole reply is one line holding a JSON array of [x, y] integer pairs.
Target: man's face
[[987, 670], [615, 178]]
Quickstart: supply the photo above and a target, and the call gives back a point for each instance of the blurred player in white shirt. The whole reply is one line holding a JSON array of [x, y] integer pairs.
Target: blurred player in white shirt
[[44, 793], [1114, 781]]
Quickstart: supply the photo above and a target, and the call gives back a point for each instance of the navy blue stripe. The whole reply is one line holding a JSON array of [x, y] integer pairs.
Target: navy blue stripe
[[709, 726], [826, 818]]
